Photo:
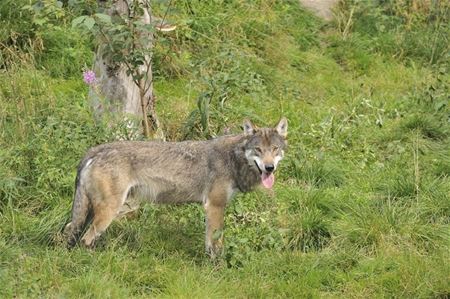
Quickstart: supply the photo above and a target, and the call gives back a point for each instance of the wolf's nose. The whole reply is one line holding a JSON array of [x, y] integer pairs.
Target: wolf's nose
[[269, 167]]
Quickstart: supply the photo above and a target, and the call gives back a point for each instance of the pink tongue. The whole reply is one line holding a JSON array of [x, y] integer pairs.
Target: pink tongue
[[267, 180]]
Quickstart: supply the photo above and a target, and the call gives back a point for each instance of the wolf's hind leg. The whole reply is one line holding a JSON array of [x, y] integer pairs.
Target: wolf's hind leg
[[105, 211]]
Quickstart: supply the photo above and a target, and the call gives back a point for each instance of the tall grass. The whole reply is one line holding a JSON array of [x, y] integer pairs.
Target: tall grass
[[361, 203]]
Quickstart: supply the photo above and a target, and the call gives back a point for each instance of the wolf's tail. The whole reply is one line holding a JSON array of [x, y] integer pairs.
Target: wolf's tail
[[80, 211]]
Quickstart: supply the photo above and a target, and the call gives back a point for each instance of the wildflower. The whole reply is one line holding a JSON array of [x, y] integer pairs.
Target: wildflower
[[89, 77]]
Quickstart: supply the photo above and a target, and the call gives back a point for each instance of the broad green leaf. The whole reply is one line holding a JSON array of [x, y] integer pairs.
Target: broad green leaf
[[78, 21], [103, 17], [89, 23]]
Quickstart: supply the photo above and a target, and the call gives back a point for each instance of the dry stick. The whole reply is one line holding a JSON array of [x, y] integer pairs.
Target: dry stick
[[151, 38], [147, 85], [165, 14], [347, 26], [141, 85], [416, 165], [144, 85], [150, 108], [144, 112], [3, 46], [436, 35]]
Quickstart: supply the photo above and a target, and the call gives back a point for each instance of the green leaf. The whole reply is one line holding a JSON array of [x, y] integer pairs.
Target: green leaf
[[89, 23], [78, 21], [103, 18]]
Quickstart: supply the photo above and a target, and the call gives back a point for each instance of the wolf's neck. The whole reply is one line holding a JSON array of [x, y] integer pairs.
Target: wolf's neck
[[245, 176]]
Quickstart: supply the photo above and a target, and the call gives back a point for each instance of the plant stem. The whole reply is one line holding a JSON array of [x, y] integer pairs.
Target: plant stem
[[144, 112]]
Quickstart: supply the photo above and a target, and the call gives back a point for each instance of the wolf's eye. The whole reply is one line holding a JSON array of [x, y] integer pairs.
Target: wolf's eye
[[275, 148], [258, 150]]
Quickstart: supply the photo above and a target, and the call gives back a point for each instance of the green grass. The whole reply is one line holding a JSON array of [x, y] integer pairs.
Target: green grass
[[361, 202]]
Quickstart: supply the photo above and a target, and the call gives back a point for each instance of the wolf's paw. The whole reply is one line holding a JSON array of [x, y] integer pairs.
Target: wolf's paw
[[70, 236], [215, 250]]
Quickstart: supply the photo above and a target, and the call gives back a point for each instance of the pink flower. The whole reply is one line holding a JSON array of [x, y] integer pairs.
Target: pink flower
[[89, 77]]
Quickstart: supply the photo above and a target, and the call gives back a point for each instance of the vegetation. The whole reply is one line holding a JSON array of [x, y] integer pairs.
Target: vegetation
[[361, 204]]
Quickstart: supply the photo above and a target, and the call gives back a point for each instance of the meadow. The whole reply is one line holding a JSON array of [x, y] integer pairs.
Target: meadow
[[360, 207]]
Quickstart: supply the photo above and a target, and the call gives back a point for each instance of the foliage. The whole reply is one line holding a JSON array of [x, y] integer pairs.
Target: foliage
[[408, 30], [360, 206]]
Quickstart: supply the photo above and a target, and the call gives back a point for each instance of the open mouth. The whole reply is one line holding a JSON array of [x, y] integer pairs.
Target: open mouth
[[267, 179]]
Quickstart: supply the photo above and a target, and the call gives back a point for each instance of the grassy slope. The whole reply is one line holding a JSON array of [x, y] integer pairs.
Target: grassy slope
[[361, 204]]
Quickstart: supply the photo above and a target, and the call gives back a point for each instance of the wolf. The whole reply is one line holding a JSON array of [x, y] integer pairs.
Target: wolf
[[111, 176]]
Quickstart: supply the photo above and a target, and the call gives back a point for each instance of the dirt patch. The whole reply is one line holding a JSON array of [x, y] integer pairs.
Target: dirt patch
[[322, 8]]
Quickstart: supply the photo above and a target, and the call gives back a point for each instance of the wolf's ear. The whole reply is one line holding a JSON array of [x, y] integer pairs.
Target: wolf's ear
[[282, 127], [249, 129]]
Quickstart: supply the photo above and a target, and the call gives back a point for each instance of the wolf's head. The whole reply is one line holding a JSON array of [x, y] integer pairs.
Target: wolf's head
[[265, 148]]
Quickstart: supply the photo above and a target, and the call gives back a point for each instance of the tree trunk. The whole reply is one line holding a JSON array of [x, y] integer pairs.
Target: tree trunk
[[116, 98]]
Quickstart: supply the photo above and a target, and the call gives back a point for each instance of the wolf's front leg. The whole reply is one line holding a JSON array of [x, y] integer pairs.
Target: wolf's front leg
[[214, 228]]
